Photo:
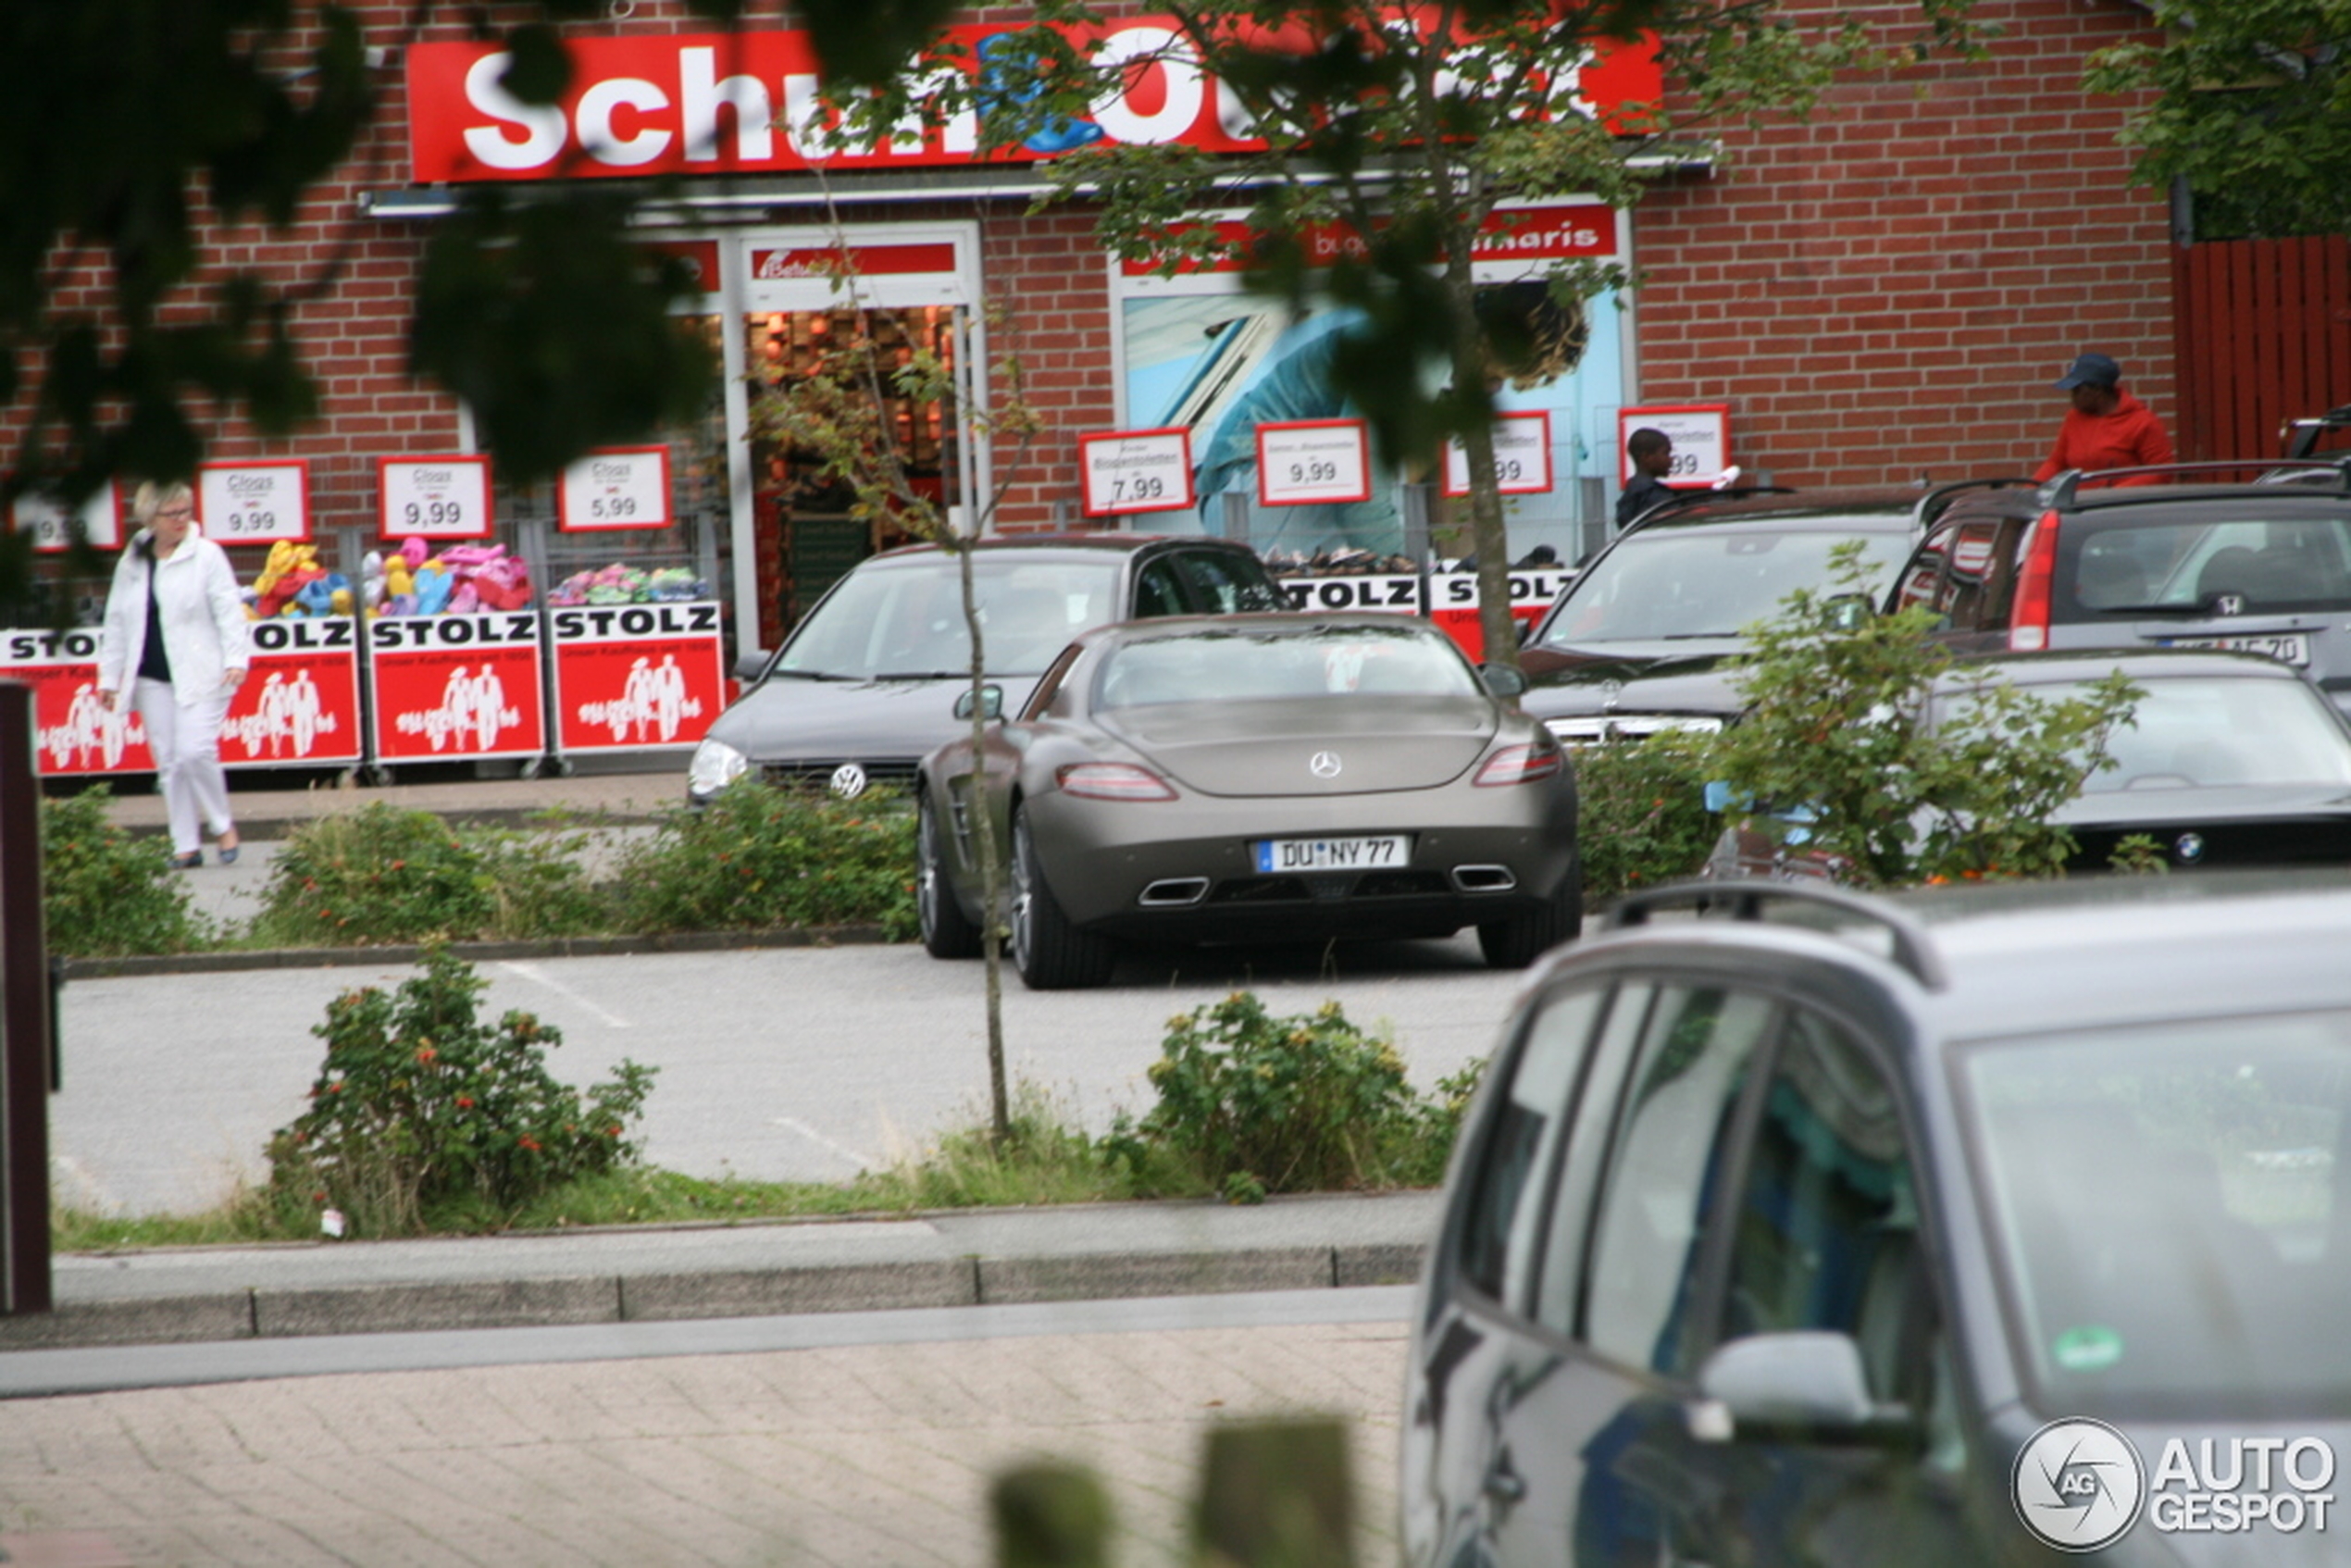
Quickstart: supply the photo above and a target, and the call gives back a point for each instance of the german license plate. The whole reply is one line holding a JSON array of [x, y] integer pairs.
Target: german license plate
[[2286, 647], [1332, 855]]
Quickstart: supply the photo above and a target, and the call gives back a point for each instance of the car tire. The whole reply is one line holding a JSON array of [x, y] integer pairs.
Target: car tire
[[1516, 943], [1051, 953], [948, 932]]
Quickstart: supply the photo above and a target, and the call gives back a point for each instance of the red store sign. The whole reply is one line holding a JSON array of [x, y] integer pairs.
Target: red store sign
[[748, 102], [456, 686], [636, 677]]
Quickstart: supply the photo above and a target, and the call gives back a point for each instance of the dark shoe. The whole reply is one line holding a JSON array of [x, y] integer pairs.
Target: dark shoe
[[188, 862], [227, 852]]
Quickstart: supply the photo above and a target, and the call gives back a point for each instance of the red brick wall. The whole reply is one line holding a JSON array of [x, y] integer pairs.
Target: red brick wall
[[1890, 290]]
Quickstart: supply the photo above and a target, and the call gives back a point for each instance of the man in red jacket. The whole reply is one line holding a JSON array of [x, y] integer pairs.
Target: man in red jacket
[[2107, 428]]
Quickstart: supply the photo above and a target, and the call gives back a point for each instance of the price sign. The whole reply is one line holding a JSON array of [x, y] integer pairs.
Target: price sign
[[1521, 456], [253, 503], [434, 497], [51, 525], [1300, 462], [622, 488], [1700, 433], [1136, 471]]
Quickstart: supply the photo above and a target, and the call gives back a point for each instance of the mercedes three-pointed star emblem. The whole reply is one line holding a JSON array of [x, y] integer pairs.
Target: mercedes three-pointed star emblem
[[1324, 765]]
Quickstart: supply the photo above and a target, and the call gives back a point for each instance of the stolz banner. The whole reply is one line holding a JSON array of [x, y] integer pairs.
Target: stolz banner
[[1453, 602], [444, 687], [73, 731], [299, 706], [636, 677]]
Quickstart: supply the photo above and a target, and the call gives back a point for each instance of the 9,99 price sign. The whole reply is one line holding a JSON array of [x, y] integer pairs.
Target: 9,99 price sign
[[1521, 456], [1136, 471], [52, 526], [434, 497], [622, 488], [253, 503], [1304, 461]]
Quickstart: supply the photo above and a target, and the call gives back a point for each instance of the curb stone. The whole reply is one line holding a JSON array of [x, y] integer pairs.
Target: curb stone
[[216, 962]]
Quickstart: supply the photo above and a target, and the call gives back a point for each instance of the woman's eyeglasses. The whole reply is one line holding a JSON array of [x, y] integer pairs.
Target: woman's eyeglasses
[[176, 512]]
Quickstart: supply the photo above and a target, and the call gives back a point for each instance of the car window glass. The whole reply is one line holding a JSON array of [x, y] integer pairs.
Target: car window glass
[[1524, 1131], [1671, 583], [1920, 581], [904, 618], [2107, 562], [1048, 685], [1242, 662], [1569, 1221], [1825, 1231], [1693, 1063], [1965, 597], [1157, 593], [1225, 583]]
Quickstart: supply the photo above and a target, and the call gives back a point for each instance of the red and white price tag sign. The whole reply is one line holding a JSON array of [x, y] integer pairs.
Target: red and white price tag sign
[[253, 503], [1300, 462], [50, 524], [1136, 471], [1521, 456], [623, 488], [434, 497], [1700, 433]]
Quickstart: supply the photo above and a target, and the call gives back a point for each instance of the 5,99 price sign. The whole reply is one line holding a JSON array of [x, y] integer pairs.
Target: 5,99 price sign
[[1521, 456], [253, 503], [434, 497], [1304, 461], [1136, 471], [622, 488]]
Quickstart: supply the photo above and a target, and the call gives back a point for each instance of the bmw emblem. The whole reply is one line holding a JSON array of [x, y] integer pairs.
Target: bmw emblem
[[2189, 847], [1324, 765], [847, 781]]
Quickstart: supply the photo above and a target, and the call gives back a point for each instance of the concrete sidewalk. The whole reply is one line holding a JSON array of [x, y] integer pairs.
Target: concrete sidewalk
[[631, 789], [626, 1274]]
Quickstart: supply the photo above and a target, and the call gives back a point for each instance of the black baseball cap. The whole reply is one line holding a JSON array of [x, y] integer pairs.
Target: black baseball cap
[[2090, 370]]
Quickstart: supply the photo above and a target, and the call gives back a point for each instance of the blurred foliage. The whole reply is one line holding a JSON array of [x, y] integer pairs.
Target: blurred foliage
[[107, 893], [759, 856], [1641, 816]]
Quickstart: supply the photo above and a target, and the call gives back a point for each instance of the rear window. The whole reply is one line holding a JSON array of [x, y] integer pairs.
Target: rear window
[[1267, 664], [1680, 583], [2243, 565]]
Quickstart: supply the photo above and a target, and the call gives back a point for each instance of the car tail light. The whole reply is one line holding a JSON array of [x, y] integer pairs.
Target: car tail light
[[1520, 765], [1112, 781], [2029, 615]]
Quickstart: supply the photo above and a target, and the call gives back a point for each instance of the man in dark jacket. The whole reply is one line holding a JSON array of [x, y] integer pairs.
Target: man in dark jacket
[[1651, 452], [2107, 428]]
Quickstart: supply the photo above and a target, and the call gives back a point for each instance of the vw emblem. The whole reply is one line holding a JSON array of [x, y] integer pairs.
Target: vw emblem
[[2189, 847], [2229, 604], [1324, 765], [847, 781]]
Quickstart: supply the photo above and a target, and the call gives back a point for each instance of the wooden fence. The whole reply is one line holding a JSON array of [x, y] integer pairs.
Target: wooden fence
[[2263, 335]]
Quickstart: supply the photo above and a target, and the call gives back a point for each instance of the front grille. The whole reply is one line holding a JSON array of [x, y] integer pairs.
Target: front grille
[[2289, 841], [1593, 728], [816, 777]]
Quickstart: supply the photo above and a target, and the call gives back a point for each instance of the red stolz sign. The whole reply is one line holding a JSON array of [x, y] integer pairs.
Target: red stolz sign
[[748, 102], [636, 677], [299, 705], [73, 731], [456, 686]]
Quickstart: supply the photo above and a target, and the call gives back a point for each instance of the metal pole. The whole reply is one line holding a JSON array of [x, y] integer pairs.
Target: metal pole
[[25, 1067]]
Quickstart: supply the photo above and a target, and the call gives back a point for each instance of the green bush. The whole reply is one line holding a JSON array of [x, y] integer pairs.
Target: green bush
[[1641, 816], [758, 856], [1252, 1104], [107, 893], [423, 1119], [386, 874]]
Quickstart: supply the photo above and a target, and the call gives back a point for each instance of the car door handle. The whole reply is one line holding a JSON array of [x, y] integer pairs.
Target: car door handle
[[1503, 1483]]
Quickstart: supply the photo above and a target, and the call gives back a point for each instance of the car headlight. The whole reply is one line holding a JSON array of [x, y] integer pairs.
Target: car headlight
[[715, 766]]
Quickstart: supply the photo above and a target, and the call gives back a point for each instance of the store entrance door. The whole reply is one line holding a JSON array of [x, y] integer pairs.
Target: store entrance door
[[811, 304]]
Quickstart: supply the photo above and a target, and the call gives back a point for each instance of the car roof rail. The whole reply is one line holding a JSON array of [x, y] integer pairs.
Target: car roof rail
[[2060, 493], [1744, 898], [1937, 500], [1682, 501]]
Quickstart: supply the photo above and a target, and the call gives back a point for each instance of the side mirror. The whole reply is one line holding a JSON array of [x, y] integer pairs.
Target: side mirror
[[1801, 1387], [1503, 681], [991, 702], [750, 663]]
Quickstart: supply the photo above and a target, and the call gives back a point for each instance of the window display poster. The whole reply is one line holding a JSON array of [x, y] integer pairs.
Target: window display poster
[[253, 503], [456, 686], [434, 497], [49, 523], [636, 677], [619, 487]]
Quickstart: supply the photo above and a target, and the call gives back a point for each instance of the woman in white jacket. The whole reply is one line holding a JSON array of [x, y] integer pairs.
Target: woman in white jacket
[[176, 637]]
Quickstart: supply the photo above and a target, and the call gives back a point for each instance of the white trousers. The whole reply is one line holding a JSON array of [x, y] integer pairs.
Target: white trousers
[[185, 738]]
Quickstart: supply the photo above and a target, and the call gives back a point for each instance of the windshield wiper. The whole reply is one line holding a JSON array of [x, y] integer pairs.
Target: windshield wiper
[[2202, 607], [922, 674], [808, 674]]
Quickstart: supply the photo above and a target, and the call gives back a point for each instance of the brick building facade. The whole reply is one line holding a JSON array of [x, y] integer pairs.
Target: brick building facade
[[1883, 293]]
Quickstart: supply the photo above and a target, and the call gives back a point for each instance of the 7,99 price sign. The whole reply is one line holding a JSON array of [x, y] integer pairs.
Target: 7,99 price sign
[[1136, 471], [434, 497], [253, 503], [621, 487], [1304, 461]]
